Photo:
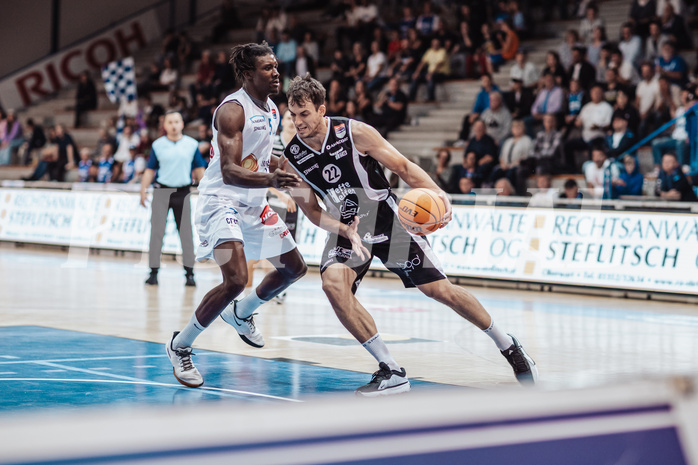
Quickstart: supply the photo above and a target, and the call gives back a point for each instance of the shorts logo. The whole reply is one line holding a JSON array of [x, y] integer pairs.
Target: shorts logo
[[231, 221], [375, 239], [294, 149], [269, 216], [250, 162], [331, 173], [340, 130], [280, 231], [409, 265], [340, 252], [204, 243], [349, 209]]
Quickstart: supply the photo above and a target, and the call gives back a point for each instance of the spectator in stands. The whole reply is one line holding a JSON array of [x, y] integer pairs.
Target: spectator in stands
[[613, 86], [223, 76], [407, 21], [428, 22], [336, 99], [598, 40], [482, 103], [504, 187], [85, 97], [433, 68], [674, 26], [669, 100], [627, 110], [571, 190], [510, 43], [125, 139], [642, 13], [630, 44], [549, 100], [518, 19], [544, 196], [105, 163], [36, 139], [185, 52], [589, 22], [600, 171], [465, 186], [626, 72], [439, 169], [497, 119], [339, 66], [11, 138], [515, 149], [547, 152], [364, 102], [654, 42], [128, 168], [489, 55], [576, 98], [565, 49], [646, 95], [303, 64], [227, 20], [392, 103], [678, 143], [464, 51], [104, 139], [170, 46], [66, 155], [169, 77], [286, 54], [204, 136], [630, 179], [554, 67], [519, 99], [376, 73], [311, 46], [604, 62], [276, 22], [524, 70], [367, 18], [84, 164], [485, 148], [672, 65], [357, 63], [594, 120], [672, 183], [581, 70], [205, 72], [621, 139], [468, 169]]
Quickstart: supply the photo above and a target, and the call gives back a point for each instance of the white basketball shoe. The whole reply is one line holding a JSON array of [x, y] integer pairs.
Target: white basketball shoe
[[182, 366], [244, 326]]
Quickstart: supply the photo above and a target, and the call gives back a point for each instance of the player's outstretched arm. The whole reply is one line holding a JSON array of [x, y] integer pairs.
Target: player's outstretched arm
[[230, 121], [369, 141]]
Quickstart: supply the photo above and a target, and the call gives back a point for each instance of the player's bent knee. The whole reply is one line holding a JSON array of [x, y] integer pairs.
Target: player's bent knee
[[435, 289], [234, 285], [334, 288]]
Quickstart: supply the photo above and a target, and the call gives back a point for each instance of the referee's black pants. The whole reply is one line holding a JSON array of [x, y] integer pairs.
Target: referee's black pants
[[177, 199]]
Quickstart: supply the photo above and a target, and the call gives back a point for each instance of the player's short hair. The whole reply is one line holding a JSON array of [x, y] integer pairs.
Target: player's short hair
[[243, 57], [306, 89]]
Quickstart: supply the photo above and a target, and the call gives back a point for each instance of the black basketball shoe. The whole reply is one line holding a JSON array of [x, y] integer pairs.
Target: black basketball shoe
[[385, 382], [524, 367]]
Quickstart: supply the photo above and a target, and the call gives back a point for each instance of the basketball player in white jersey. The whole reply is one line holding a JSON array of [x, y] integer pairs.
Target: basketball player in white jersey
[[340, 161], [233, 219]]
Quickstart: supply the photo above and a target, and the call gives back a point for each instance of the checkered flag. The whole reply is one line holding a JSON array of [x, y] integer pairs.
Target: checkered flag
[[120, 80]]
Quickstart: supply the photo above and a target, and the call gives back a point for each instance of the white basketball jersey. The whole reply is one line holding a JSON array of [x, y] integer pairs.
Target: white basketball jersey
[[257, 141]]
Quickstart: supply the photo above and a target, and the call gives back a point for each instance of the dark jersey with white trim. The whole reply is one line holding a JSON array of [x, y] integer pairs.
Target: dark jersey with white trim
[[350, 183]]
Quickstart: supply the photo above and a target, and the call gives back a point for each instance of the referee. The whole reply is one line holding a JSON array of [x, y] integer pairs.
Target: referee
[[175, 162]]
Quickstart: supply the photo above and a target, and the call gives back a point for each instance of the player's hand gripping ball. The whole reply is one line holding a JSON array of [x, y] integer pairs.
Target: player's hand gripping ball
[[421, 211]]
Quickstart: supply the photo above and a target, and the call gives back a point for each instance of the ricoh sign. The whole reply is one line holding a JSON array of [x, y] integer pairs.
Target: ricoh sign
[[46, 77]]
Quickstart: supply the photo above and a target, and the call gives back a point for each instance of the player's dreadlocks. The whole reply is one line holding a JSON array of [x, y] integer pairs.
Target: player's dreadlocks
[[243, 57]]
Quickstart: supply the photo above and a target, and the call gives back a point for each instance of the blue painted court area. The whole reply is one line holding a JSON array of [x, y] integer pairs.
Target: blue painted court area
[[46, 368]]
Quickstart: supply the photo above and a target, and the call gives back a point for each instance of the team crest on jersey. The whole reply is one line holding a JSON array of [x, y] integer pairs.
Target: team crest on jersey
[[349, 208], [295, 149], [250, 162], [340, 130], [273, 113]]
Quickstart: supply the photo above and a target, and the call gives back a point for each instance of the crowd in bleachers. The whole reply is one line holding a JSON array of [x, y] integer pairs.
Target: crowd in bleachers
[[598, 91]]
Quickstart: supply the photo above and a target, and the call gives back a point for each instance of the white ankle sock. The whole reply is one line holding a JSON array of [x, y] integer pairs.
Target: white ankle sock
[[502, 339], [190, 332], [245, 307], [380, 352]]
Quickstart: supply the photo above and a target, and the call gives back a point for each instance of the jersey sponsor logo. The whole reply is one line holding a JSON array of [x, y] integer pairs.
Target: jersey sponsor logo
[[331, 173], [340, 130], [280, 231], [273, 113], [340, 252], [258, 119], [269, 216], [409, 265], [339, 193], [349, 209], [308, 170], [336, 143], [259, 128], [375, 239], [305, 158], [250, 162], [339, 153], [294, 149]]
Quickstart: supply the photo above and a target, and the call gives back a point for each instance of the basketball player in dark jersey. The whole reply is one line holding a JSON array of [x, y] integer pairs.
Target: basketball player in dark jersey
[[339, 161]]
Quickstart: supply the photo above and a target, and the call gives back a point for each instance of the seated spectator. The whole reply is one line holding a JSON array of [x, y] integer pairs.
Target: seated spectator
[[169, 77], [654, 42], [504, 188], [364, 102], [544, 196], [490, 53], [485, 148], [85, 97], [576, 98], [303, 64], [285, 52], [627, 110], [104, 139], [646, 95], [357, 64], [612, 87], [674, 26], [581, 70], [589, 22], [518, 100], [598, 40], [311, 47], [463, 53], [36, 139], [367, 18], [482, 103], [427, 23], [672, 183], [629, 181], [376, 68], [604, 62], [524, 70], [626, 71], [600, 171], [185, 52], [223, 76], [510, 43], [497, 118], [678, 143], [518, 19], [204, 136], [340, 68], [227, 20], [84, 164], [630, 44], [550, 99], [128, 168], [11, 138], [622, 138], [439, 169], [468, 169], [466, 186], [594, 120], [554, 67], [515, 149], [434, 67], [47, 155], [104, 165], [642, 13], [336, 99], [565, 49], [571, 190], [547, 151], [65, 155], [203, 84], [671, 65], [392, 103], [407, 21]]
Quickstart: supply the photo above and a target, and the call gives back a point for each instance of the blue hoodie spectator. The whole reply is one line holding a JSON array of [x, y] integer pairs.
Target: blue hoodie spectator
[[630, 180]]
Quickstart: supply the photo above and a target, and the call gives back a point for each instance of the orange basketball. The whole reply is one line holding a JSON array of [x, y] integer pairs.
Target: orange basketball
[[421, 211]]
